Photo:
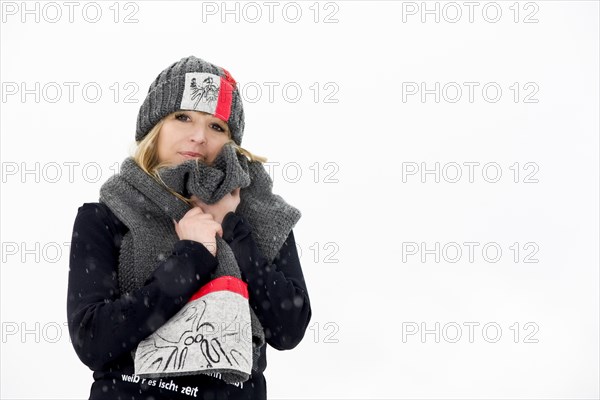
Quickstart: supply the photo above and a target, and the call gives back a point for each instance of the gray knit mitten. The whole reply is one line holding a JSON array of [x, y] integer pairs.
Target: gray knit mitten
[[215, 333]]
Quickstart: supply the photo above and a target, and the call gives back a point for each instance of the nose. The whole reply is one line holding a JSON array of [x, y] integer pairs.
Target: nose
[[198, 135]]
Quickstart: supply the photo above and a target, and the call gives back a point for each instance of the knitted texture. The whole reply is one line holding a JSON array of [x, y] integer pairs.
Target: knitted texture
[[147, 208], [192, 84]]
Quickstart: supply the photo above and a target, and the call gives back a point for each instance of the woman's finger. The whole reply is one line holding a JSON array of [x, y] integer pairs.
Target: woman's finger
[[194, 211]]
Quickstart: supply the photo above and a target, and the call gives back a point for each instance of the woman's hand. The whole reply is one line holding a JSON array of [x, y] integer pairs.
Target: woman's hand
[[219, 210], [201, 227]]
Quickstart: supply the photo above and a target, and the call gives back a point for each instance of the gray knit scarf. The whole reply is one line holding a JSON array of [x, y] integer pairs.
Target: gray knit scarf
[[147, 208]]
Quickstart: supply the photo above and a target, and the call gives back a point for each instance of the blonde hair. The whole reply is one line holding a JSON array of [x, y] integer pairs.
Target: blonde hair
[[146, 155]]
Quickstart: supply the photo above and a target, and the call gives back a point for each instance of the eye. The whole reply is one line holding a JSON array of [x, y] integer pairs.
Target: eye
[[217, 127], [182, 117]]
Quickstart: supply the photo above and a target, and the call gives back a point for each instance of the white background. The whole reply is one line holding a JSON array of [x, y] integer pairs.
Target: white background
[[357, 210]]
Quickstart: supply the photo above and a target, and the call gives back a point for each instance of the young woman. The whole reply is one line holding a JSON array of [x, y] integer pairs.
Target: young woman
[[187, 236]]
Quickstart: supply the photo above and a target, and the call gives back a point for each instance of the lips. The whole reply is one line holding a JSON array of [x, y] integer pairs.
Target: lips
[[190, 154]]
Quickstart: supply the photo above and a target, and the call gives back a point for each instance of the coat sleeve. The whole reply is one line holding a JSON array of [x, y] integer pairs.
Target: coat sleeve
[[277, 291], [105, 324]]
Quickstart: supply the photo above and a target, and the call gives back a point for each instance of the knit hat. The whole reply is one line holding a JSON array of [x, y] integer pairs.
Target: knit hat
[[193, 84]]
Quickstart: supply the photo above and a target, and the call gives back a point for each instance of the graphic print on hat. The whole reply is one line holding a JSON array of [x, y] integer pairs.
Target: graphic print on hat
[[207, 92], [211, 335]]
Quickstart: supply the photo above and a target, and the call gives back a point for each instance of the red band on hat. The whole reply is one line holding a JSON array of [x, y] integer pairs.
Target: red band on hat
[[229, 283], [223, 109], [229, 77]]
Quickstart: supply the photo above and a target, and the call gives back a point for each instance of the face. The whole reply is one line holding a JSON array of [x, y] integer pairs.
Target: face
[[186, 135]]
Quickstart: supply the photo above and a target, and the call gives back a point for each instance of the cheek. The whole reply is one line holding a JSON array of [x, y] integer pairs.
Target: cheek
[[161, 142], [217, 144], [165, 143], [169, 138]]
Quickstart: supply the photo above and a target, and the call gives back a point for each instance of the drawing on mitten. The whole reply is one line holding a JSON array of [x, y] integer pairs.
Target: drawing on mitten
[[191, 342], [207, 91], [159, 343]]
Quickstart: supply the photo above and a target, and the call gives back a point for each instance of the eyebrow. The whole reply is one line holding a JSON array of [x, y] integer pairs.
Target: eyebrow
[[213, 118]]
